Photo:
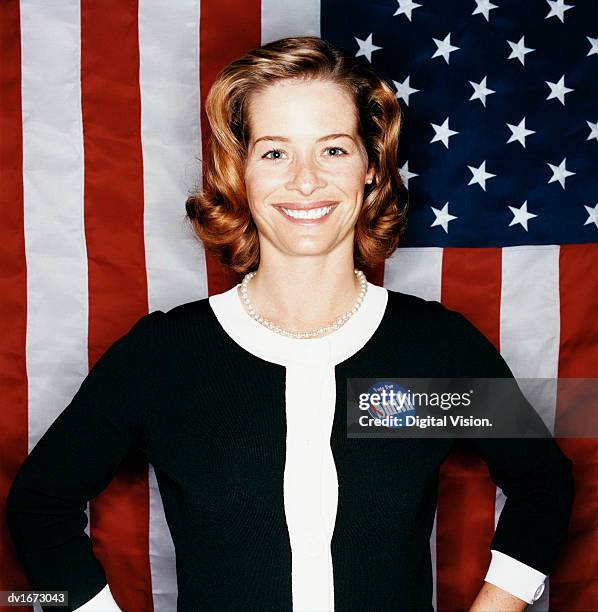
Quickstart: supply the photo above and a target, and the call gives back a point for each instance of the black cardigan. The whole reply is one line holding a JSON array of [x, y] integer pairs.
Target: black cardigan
[[161, 386]]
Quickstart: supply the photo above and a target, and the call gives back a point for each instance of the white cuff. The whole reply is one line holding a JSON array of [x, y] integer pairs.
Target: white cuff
[[515, 577], [102, 602]]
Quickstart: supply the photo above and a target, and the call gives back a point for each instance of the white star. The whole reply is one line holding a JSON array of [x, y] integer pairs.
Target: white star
[[443, 133], [520, 215], [519, 132], [519, 50], [366, 47], [594, 45], [442, 217], [444, 47], [484, 7], [480, 176], [592, 215], [480, 91], [558, 90], [405, 8], [593, 130], [557, 9], [404, 90], [560, 173], [405, 174]]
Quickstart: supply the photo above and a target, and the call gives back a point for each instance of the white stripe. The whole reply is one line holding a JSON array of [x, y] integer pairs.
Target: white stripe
[[282, 18], [55, 248], [161, 551], [530, 320], [418, 271], [530, 334], [53, 210], [171, 145], [310, 481]]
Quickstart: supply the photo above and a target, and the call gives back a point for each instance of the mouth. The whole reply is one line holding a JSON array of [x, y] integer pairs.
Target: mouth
[[312, 213]]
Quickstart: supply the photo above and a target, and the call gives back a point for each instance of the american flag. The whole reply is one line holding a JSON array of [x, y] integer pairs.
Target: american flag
[[102, 130]]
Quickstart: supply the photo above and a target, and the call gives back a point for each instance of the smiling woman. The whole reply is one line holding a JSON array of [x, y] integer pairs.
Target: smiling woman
[[239, 400], [294, 123], [301, 178]]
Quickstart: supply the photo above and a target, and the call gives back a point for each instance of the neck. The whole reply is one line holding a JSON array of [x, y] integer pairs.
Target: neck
[[306, 295]]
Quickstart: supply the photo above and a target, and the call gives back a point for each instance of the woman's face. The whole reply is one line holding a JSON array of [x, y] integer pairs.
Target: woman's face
[[304, 154]]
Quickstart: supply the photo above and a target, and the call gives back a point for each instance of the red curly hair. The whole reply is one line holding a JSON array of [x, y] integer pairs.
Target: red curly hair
[[219, 211]]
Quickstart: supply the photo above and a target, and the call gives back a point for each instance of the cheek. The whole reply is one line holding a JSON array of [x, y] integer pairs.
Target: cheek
[[258, 183], [351, 174], [260, 180], [352, 182]]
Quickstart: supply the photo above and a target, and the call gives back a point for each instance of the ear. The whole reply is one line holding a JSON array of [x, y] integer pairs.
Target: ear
[[369, 177]]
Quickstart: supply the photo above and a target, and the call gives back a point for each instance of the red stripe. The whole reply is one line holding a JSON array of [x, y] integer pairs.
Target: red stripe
[[574, 582], [228, 29], [471, 284], [119, 516], [13, 287]]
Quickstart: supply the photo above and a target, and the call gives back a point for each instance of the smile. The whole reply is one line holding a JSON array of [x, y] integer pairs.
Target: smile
[[307, 216], [312, 213]]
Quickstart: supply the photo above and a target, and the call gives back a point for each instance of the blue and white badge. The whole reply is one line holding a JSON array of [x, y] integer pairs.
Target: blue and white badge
[[390, 402]]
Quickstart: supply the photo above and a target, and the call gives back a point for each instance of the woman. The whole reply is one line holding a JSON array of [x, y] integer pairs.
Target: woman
[[239, 401]]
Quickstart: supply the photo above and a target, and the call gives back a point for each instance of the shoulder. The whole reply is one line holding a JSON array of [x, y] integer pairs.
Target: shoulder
[[180, 313], [418, 310], [152, 333], [447, 330], [172, 319]]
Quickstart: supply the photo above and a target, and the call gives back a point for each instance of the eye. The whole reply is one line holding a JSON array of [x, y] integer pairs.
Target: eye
[[265, 155], [337, 149], [279, 152]]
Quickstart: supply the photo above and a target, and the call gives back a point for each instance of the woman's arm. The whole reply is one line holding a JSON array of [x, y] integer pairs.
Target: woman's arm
[[73, 462], [537, 481], [533, 473], [491, 598]]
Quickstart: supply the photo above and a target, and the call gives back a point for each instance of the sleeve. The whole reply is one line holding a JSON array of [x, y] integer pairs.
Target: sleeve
[[533, 473], [74, 461], [102, 602], [515, 577]]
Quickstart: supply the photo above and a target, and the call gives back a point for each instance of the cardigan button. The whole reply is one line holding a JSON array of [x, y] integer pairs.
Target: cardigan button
[[538, 592]]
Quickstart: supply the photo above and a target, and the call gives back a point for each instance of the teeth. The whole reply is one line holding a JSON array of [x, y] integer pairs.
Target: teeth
[[314, 213]]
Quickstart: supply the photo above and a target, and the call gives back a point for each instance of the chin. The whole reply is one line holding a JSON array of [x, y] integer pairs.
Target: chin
[[309, 247]]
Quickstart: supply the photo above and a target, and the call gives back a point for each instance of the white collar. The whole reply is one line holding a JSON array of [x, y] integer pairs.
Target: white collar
[[270, 346]]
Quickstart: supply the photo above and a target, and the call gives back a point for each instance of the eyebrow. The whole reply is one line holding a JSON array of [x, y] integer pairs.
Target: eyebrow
[[284, 139]]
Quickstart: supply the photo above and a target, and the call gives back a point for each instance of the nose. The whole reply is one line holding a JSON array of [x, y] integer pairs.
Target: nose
[[305, 177]]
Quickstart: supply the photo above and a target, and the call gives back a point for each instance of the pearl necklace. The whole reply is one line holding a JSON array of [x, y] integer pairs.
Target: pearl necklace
[[338, 322]]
